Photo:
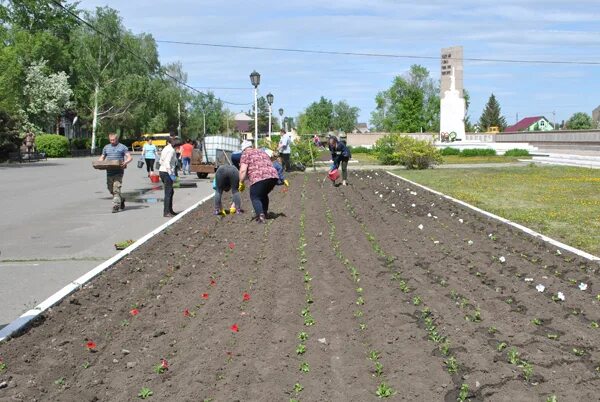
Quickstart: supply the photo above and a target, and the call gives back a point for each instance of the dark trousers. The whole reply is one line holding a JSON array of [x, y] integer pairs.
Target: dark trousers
[[286, 162], [259, 195], [227, 178], [149, 165], [168, 198]]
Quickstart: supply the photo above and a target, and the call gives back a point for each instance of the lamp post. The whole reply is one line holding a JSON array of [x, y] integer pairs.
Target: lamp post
[[281, 116], [270, 102], [255, 80]]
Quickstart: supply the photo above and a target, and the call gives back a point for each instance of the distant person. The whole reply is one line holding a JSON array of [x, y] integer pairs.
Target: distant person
[[285, 149], [227, 178], [167, 171], [256, 166], [115, 151], [186, 156], [149, 155], [276, 160], [30, 142], [340, 155]]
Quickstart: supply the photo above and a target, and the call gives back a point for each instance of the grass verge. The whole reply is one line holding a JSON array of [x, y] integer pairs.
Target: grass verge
[[560, 202], [455, 159]]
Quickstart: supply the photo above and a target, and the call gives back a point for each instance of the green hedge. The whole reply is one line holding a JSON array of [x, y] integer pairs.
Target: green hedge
[[450, 151], [396, 149], [53, 145], [517, 152], [478, 152], [360, 150]]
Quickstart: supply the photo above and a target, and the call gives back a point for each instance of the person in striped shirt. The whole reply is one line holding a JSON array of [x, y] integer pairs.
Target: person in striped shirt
[[115, 151]]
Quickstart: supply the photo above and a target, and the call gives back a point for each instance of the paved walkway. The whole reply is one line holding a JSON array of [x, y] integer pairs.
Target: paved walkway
[[56, 224]]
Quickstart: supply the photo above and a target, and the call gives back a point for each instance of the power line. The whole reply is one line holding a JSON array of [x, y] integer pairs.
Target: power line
[[380, 55], [128, 50]]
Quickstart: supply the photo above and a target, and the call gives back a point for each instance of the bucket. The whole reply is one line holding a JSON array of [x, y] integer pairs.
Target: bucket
[[334, 175], [140, 164], [154, 178]]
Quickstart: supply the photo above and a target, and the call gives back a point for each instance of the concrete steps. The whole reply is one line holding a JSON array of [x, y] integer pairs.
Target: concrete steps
[[569, 160]]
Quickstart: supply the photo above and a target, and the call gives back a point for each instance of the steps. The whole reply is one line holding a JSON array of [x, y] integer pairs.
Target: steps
[[588, 161]]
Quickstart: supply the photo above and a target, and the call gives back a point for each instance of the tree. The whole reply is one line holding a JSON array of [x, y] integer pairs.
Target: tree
[[9, 135], [491, 115], [210, 107], [317, 117], [263, 115], [47, 96], [580, 121], [345, 117], [411, 104], [469, 128]]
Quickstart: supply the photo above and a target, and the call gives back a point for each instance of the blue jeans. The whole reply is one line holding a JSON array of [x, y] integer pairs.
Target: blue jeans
[[186, 165]]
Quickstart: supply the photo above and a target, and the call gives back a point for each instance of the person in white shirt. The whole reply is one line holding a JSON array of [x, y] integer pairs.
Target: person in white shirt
[[285, 149], [168, 163]]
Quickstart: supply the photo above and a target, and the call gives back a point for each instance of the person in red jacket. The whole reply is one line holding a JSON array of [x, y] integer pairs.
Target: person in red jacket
[[186, 156]]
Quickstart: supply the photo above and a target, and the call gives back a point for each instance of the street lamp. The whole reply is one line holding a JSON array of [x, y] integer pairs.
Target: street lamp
[[270, 102], [281, 115], [255, 80]]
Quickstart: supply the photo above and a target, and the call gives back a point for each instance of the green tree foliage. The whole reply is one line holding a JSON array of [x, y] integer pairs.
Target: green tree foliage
[[345, 117], [323, 116], [9, 135], [492, 115], [216, 115], [580, 121], [263, 116], [411, 104], [53, 145], [396, 149]]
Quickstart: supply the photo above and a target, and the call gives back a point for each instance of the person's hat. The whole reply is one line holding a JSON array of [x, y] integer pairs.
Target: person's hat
[[269, 152], [246, 144]]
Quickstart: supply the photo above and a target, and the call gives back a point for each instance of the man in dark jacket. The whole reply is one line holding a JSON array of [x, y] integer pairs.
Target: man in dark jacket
[[340, 155]]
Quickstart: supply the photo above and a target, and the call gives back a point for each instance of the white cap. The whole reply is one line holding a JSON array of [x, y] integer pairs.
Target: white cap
[[246, 144], [269, 152]]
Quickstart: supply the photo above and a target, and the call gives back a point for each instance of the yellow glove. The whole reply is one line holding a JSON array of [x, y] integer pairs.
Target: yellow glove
[[222, 212], [232, 210], [242, 186], [286, 183]]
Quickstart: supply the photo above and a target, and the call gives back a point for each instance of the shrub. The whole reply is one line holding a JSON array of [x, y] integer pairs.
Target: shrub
[[517, 152], [301, 151], [478, 152], [81, 143], [53, 145], [360, 150], [9, 136], [397, 149], [450, 151]]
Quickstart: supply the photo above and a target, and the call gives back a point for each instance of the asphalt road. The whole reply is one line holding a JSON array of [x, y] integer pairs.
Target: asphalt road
[[56, 224]]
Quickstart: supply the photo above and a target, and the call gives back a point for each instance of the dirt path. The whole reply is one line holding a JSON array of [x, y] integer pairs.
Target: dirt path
[[340, 295]]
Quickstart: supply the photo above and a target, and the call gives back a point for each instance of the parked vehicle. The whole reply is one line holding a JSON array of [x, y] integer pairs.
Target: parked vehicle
[[215, 151], [159, 140]]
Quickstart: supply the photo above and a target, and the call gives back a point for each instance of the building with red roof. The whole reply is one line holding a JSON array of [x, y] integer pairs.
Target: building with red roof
[[536, 123]]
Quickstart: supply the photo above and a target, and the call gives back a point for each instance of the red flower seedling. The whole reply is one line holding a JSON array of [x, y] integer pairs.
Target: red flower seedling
[[235, 328], [205, 296], [162, 367], [213, 282], [231, 245], [246, 297], [91, 346], [186, 313], [134, 312]]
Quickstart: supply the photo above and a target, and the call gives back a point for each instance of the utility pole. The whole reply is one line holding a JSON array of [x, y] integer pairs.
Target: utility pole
[[554, 119]]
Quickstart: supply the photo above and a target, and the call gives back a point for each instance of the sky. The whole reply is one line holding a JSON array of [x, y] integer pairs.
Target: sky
[[552, 30]]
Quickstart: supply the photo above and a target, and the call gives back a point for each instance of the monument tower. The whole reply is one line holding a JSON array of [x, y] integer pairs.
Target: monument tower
[[452, 102]]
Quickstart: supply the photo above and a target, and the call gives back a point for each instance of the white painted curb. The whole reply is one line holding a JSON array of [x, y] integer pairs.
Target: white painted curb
[[525, 229], [78, 283]]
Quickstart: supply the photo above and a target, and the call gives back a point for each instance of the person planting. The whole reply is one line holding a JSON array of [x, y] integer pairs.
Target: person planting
[[256, 166], [276, 160], [340, 155], [149, 154], [227, 178]]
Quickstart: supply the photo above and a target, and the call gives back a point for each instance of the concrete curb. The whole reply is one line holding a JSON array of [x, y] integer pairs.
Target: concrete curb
[[28, 316], [525, 229]]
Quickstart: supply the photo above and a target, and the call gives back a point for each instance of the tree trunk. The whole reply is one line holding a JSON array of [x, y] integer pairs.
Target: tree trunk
[[95, 118]]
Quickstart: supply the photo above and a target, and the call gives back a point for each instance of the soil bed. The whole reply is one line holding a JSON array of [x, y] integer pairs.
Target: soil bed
[[346, 290]]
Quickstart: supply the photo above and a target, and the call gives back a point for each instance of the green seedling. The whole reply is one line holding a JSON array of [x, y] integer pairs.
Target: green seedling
[[125, 323], [451, 365], [362, 326], [3, 366], [513, 356], [510, 300], [145, 393], [301, 349], [594, 324], [417, 301], [578, 352], [60, 381], [309, 321], [426, 312], [303, 336], [552, 398], [598, 297], [536, 321], [374, 355], [403, 286], [309, 299], [298, 388], [492, 330], [360, 301], [454, 295], [304, 367], [464, 302], [160, 368], [307, 278], [475, 316], [445, 348], [359, 290], [384, 391], [501, 346], [85, 365], [527, 369], [553, 337], [305, 312], [358, 313], [572, 281], [463, 394], [378, 369]]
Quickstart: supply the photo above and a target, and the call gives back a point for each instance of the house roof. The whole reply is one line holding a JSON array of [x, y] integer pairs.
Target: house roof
[[242, 117], [524, 123]]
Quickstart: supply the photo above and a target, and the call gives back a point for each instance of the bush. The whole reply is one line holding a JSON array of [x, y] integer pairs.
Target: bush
[[450, 151], [81, 143], [517, 152], [478, 152], [395, 149], [53, 145], [9, 136], [360, 150], [301, 151]]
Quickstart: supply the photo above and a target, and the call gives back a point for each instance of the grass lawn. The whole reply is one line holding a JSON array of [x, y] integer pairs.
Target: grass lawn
[[366, 159], [560, 202], [455, 159]]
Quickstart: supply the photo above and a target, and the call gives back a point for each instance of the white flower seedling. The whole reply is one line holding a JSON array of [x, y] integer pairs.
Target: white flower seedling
[[421, 227], [393, 205], [540, 288], [429, 215], [470, 242], [502, 259], [413, 192], [528, 279], [436, 242], [460, 220], [380, 195], [413, 205], [583, 286], [558, 252], [560, 296]]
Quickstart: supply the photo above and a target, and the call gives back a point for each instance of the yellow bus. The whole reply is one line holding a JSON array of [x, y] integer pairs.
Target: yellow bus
[[158, 140]]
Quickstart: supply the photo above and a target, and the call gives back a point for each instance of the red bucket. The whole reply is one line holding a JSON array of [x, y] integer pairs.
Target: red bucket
[[334, 175], [154, 178]]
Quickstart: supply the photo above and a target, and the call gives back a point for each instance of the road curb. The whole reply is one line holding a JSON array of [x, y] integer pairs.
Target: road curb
[[525, 229], [27, 317]]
